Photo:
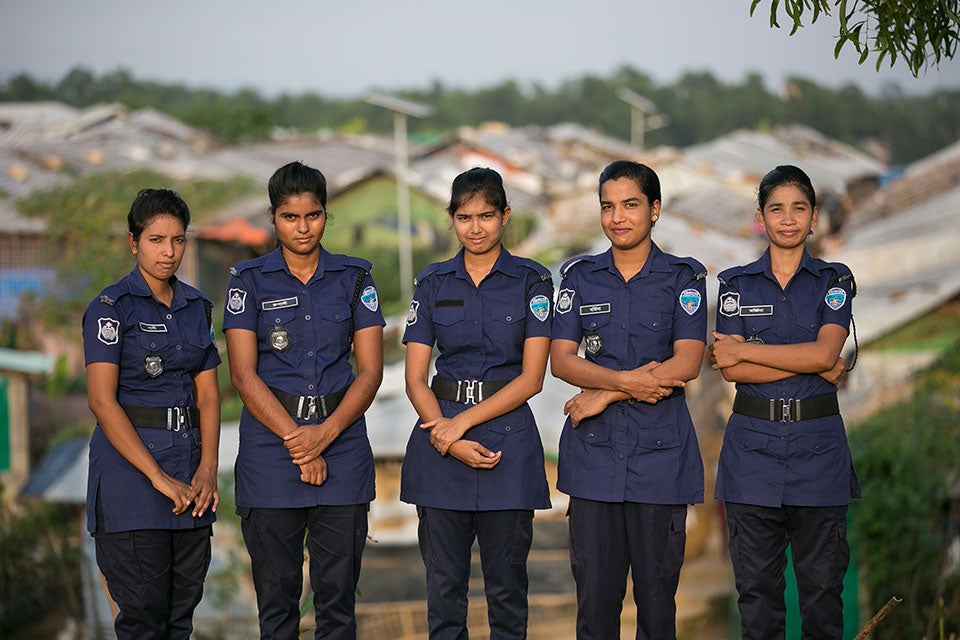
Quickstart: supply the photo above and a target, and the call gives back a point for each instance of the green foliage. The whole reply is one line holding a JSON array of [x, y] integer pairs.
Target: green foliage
[[40, 570], [922, 32], [907, 458], [700, 106], [86, 230]]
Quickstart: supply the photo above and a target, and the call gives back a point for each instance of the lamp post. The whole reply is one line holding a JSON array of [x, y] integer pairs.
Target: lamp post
[[401, 109], [640, 121]]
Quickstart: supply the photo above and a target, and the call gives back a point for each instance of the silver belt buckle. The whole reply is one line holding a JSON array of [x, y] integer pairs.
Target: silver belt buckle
[[473, 391], [311, 402], [787, 406], [175, 418]]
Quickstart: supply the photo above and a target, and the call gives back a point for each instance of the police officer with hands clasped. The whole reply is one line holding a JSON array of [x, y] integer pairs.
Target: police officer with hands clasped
[[151, 366], [785, 472], [629, 457], [305, 465], [474, 462]]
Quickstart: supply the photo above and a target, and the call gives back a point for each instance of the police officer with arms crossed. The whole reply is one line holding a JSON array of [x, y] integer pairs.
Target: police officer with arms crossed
[[305, 463], [785, 471], [474, 462], [152, 385], [629, 457]]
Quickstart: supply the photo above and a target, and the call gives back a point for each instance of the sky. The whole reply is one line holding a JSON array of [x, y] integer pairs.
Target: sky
[[346, 48]]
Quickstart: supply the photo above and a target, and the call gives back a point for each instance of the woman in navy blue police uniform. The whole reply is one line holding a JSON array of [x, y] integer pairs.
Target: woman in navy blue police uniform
[[629, 457], [152, 385], [474, 462], [786, 474], [305, 465]]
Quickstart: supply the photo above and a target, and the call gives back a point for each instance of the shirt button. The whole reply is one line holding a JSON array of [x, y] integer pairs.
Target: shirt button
[[178, 347], [180, 403], [184, 475], [623, 326], [589, 435], [153, 345], [306, 317], [184, 435], [476, 322], [150, 445], [509, 318], [783, 298], [507, 428], [277, 321], [659, 443], [656, 324], [310, 386], [337, 316], [780, 462], [169, 316], [309, 353], [620, 457]]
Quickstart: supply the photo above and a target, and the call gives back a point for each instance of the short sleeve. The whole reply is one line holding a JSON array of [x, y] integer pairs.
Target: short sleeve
[[240, 306], [838, 300], [690, 307], [566, 321], [539, 310], [368, 312], [102, 333], [729, 321], [419, 318]]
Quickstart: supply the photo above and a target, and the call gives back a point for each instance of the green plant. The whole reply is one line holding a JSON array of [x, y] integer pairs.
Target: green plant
[[908, 458], [40, 567]]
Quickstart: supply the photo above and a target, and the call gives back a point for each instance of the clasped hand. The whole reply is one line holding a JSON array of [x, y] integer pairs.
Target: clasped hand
[[643, 385]]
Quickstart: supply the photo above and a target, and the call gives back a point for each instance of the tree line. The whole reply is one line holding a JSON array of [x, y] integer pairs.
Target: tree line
[[699, 107]]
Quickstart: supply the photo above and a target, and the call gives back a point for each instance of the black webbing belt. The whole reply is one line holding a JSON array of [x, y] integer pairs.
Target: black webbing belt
[[169, 418], [306, 407], [465, 391], [786, 410]]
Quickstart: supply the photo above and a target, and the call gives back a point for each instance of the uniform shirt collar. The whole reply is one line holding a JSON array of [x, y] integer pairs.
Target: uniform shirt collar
[[656, 261], [138, 287], [505, 264], [274, 262], [763, 265]]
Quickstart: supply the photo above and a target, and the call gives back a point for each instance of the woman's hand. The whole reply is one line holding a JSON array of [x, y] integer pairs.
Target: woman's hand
[[643, 385], [475, 455], [309, 441], [181, 494], [586, 404], [443, 433], [314, 471], [836, 374], [725, 352], [204, 484]]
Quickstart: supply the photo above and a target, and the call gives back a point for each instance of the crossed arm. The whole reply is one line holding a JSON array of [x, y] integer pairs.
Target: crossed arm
[[741, 361], [446, 434], [601, 386]]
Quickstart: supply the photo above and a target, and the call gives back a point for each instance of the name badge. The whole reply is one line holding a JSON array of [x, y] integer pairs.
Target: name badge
[[286, 303], [153, 328], [594, 309], [756, 310]]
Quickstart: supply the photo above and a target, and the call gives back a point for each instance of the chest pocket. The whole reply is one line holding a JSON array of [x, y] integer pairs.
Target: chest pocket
[[654, 321], [595, 322], [758, 327], [507, 315], [447, 316], [152, 340], [809, 325], [278, 317]]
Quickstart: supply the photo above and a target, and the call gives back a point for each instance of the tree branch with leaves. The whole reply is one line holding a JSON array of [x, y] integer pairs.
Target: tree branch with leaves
[[921, 32]]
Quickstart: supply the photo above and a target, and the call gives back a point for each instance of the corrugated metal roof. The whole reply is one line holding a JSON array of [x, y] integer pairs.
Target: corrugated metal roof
[[30, 362], [61, 475]]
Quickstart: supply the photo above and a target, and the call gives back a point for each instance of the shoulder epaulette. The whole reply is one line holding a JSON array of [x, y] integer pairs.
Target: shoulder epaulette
[[423, 275], [565, 267], [360, 263], [237, 269], [542, 272], [699, 271]]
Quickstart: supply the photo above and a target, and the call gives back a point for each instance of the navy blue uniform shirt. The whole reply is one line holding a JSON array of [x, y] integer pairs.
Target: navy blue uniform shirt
[[632, 451], [770, 464], [124, 326], [479, 331], [312, 358]]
